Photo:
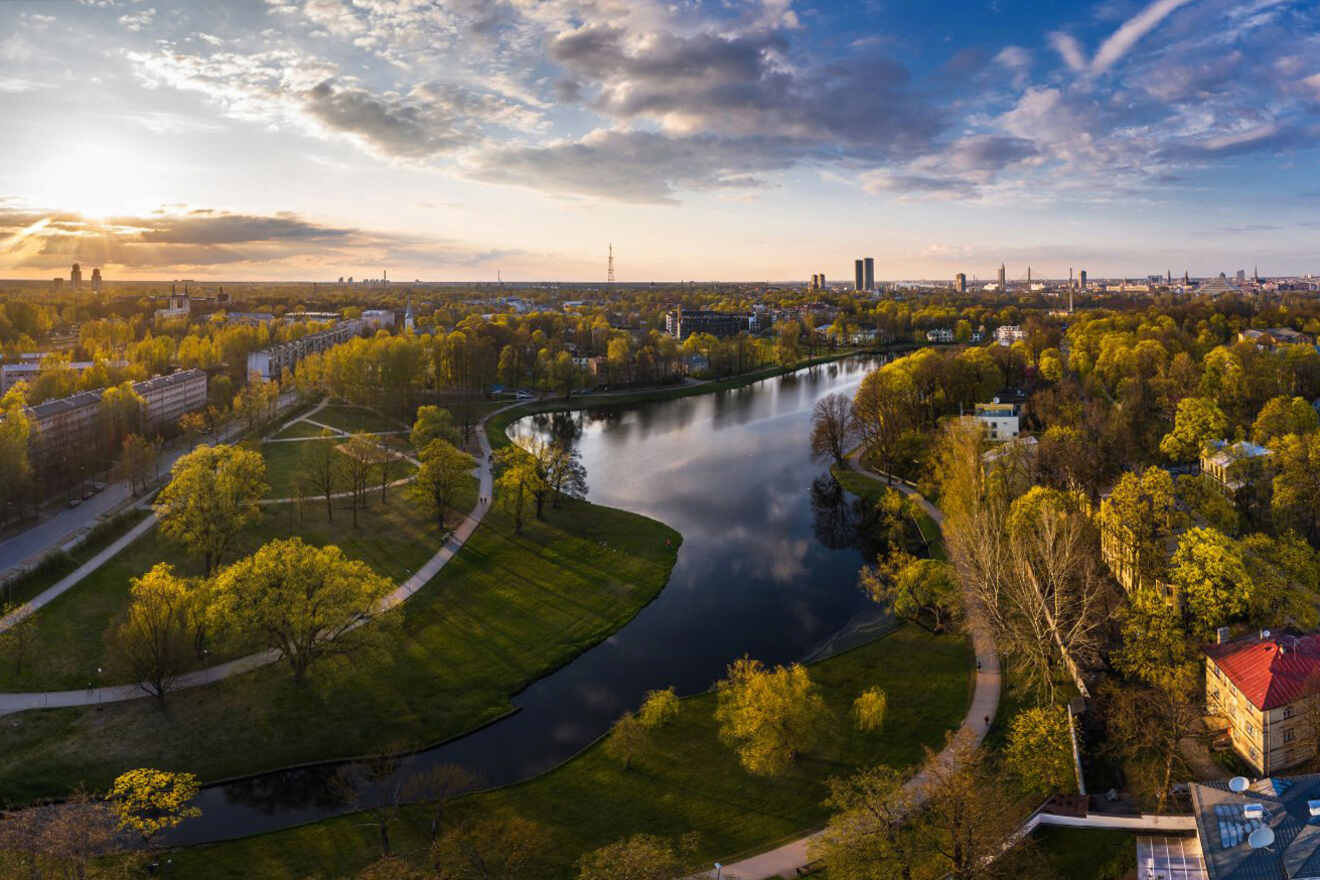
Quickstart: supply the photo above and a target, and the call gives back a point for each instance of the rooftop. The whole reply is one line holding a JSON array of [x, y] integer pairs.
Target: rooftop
[[1270, 670], [1225, 820]]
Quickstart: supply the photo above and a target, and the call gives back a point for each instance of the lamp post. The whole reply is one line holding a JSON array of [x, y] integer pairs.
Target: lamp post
[[98, 685]]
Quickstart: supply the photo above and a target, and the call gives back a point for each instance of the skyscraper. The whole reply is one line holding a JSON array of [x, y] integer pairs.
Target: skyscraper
[[1028, 274], [1082, 279], [870, 273], [960, 281], [859, 273], [1003, 282], [75, 276], [96, 280]]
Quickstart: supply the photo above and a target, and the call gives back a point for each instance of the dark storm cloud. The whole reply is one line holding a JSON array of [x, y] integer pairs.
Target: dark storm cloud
[[209, 228]]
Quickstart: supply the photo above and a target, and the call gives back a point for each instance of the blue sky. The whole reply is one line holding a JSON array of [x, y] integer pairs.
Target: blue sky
[[734, 139]]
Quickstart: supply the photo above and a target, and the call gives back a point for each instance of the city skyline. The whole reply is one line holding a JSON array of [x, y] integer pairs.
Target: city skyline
[[743, 141]]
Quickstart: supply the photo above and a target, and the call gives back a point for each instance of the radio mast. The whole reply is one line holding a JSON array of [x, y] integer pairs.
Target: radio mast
[[609, 275]]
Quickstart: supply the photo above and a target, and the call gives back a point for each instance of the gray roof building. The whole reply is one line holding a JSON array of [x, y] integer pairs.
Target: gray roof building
[[1288, 805]]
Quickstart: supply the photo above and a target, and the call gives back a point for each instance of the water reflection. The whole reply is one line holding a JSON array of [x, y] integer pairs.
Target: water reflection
[[768, 567]]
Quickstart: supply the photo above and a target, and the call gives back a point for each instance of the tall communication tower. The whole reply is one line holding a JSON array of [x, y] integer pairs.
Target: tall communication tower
[[609, 275]]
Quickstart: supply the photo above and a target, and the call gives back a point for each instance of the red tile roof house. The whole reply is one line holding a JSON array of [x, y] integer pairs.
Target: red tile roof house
[[1268, 688]]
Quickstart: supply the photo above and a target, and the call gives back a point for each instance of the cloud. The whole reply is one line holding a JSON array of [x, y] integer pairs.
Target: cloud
[[205, 238], [1069, 50], [636, 166], [137, 21], [1131, 31]]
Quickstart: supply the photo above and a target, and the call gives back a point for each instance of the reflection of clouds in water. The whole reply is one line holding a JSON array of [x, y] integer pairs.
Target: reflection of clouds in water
[[788, 560]]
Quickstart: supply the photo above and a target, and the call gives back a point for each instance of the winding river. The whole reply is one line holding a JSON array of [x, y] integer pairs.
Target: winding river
[[768, 567]]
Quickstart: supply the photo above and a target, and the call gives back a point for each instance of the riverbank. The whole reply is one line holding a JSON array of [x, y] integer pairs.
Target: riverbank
[[688, 780], [506, 611]]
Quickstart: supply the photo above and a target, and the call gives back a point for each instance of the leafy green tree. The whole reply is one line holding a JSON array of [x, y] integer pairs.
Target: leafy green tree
[[1153, 644], [120, 414], [920, 588], [153, 641], [434, 423], [15, 436], [441, 477], [1286, 574], [519, 482], [214, 491], [1142, 513], [768, 716], [870, 708], [298, 600], [1198, 421], [1281, 416], [659, 708], [1296, 500], [870, 835], [884, 407], [629, 739], [640, 857], [1039, 750], [501, 845], [1211, 578], [151, 801]]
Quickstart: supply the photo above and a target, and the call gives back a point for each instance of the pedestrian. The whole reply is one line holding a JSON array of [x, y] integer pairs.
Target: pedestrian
[[978, 664], [987, 721]]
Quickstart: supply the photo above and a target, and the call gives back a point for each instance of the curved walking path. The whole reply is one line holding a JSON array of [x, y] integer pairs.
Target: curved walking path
[[20, 702], [786, 860]]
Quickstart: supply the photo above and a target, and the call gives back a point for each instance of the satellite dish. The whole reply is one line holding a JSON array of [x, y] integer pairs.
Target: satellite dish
[[1238, 784], [1261, 837]]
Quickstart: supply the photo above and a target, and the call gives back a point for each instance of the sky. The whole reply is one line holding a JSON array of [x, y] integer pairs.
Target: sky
[[705, 139]]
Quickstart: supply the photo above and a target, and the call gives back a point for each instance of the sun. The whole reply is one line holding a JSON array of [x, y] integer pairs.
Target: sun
[[93, 180]]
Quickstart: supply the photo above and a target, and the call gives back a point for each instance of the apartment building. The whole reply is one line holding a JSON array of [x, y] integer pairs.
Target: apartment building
[[1233, 466], [1000, 420], [1266, 687], [270, 363]]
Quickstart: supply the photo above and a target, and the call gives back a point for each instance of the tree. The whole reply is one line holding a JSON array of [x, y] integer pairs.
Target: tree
[[1296, 501], [357, 456], [433, 423], [120, 414], [870, 708], [298, 600], [376, 789], [214, 491], [831, 427], [148, 801], [1198, 421], [1053, 605], [788, 343], [869, 835], [562, 472], [439, 785], [137, 462], [519, 481], [1039, 750], [1285, 574], [629, 739], [1145, 728], [967, 819], [153, 642], [884, 407], [66, 840], [192, 425], [658, 708], [15, 437], [1281, 416], [565, 374], [320, 470], [1141, 513], [768, 716], [1153, 641], [442, 475], [640, 857], [1211, 578], [913, 588], [256, 403], [503, 846]]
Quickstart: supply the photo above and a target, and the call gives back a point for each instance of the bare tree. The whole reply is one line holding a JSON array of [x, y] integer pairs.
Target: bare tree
[[832, 427]]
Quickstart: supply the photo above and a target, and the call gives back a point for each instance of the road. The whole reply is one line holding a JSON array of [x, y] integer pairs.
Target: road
[[31, 544]]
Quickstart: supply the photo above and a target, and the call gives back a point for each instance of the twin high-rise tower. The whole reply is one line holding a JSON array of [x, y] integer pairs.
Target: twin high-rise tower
[[864, 273]]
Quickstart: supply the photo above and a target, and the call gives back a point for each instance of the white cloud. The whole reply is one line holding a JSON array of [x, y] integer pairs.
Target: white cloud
[[1132, 30], [1069, 50]]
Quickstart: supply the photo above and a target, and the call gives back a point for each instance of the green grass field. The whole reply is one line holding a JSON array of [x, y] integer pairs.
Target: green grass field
[[394, 539], [300, 430], [356, 418], [1086, 854], [504, 612], [689, 781], [284, 464]]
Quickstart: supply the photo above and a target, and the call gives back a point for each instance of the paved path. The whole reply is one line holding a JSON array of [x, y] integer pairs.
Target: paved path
[[784, 861], [11, 703]]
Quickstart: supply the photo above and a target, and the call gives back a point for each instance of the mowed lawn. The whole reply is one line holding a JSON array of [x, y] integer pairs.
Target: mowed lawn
[[505, 611], [688, 781], [285, 468], [394, 538], [300, 429], [356, 418]]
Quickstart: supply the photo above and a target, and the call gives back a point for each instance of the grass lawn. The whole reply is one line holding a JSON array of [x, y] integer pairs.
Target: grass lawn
[[690, 781], [283, 463], [871, 489], [356, 418], [504, 612], [300, 429], [1086, 854], [394, 539]]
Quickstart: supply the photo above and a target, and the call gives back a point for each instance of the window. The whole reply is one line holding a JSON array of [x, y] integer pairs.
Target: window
[[1287, 712], [1251, 731], [1289, 735]]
